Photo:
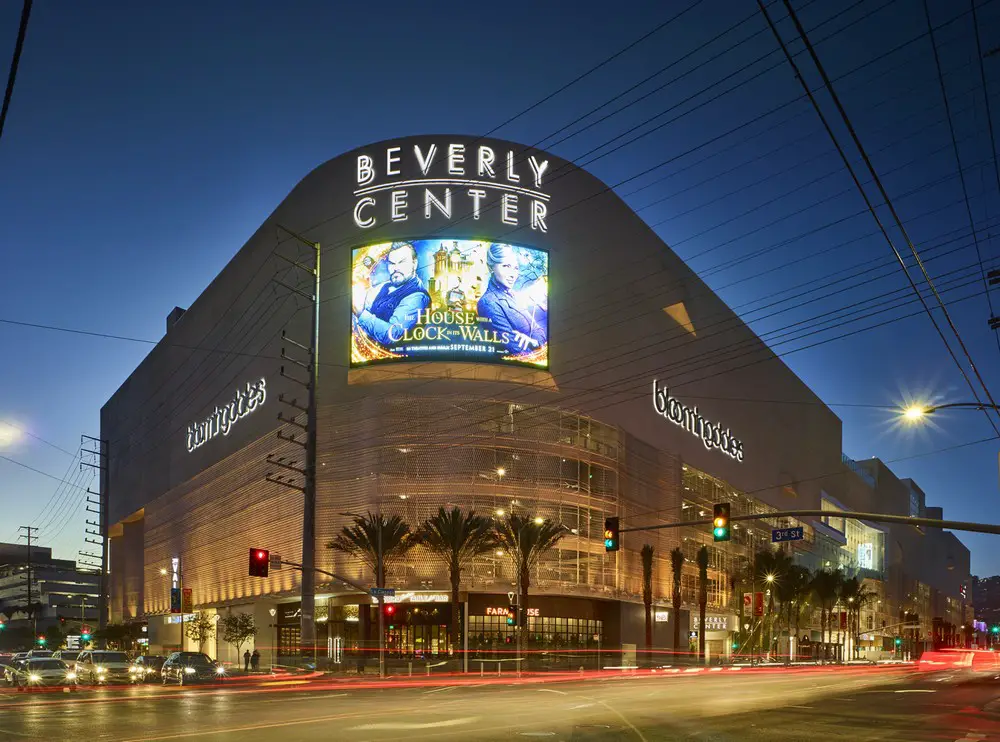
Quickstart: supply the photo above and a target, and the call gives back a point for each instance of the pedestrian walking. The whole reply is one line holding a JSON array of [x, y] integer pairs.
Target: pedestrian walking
[[255, 660], [246, 661]]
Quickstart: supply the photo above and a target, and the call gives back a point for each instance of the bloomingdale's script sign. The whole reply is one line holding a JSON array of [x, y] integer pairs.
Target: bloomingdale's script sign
[[222, 419], [712, 435], [452, 180]]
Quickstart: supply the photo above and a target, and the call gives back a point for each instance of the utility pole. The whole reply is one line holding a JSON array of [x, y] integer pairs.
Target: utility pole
[[99, 452], [307, 625], [29, 534]]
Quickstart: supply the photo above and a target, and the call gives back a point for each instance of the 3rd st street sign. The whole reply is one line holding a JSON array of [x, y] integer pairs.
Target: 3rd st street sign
[[779, 535]]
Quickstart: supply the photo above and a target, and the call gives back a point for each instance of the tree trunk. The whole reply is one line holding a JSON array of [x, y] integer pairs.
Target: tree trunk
[[649, 626], [456, 609], [678, 606], [702, 601]]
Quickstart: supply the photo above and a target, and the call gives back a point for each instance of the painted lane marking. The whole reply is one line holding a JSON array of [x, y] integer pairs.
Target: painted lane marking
[[406, 725]]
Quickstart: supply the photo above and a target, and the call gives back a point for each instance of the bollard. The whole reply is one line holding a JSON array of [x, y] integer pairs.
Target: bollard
[[410, 664]]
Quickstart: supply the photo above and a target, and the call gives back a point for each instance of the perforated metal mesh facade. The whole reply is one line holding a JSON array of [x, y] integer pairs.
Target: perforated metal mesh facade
[[410, 455]]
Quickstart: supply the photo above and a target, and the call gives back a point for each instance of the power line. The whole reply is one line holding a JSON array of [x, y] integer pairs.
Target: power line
[[37, 471], [958, 160], [12, 75], [986, 94], [885, 198], [36, 437]]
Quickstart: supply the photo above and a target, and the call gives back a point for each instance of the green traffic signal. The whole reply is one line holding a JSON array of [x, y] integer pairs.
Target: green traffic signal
[[612, 534], [898, 641], [720, 521], [995, 629]]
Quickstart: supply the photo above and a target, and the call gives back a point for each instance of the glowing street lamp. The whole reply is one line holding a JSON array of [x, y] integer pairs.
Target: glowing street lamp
[[917, 412]]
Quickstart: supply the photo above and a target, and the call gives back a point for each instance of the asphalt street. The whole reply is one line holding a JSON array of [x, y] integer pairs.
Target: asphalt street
[[811, 706]]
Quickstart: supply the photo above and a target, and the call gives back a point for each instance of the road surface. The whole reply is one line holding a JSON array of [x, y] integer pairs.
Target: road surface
[[815, 705]]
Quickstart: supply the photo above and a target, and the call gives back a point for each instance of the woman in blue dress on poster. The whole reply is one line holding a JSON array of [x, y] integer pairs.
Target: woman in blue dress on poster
[[508, 310]]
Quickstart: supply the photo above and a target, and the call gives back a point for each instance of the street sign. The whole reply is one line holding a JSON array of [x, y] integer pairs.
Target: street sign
[[175, 600], [383, 592], [786, 534], [274, 562]]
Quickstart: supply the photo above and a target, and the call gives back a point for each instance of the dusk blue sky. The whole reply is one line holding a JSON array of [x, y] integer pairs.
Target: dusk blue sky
[[147, 141]]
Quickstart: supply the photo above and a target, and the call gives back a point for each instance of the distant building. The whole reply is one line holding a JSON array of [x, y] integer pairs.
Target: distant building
[[57, 588]]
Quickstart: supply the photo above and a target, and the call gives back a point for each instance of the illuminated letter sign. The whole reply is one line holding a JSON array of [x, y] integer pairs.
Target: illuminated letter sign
[[222, 419], [453, 182], [712, 435]]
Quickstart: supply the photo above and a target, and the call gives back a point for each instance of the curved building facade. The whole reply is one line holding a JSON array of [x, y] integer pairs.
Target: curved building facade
[[497, 330]]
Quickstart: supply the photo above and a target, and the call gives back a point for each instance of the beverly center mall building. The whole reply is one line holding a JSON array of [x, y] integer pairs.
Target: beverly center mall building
[[497, 331]]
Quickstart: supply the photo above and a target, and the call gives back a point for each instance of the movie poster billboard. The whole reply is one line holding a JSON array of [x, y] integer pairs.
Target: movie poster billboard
[[449, 300]]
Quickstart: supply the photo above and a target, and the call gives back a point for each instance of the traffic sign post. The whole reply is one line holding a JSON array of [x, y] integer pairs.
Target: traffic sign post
[[780, 535], [382, 592], [274, 562]]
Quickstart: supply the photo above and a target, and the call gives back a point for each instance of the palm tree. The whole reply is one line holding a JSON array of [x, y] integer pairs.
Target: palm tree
[[456, 538], [855, 595], [702, 559], [377, 540], [770, 568], [825, 587], [796, 585], [524, 540], [647, 592], [676, 566]]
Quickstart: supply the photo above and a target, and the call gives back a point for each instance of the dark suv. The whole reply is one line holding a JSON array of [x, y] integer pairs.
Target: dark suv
[[190, 667]]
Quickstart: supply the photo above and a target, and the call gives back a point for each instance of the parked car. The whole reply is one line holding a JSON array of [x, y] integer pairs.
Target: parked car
[[102, 666], [190, 667], [41, 672], [146, 668], [15, 662]]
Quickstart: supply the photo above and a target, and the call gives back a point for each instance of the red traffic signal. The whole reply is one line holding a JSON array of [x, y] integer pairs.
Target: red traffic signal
[[390, 609], [259, 562]]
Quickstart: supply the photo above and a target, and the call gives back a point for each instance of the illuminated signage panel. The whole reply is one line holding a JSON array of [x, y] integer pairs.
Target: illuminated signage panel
[[713, 435], [449, 300], [222, 419]]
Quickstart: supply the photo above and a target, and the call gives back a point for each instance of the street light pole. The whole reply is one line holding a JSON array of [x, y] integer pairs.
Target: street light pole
[[381, 601]]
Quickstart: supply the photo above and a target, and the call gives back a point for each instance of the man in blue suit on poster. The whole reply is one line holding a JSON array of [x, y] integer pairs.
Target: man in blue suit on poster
[[523, 325], [391, 308]]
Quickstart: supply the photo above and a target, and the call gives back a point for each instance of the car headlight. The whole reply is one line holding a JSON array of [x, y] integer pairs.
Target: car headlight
[[189, 670], [149, 670], [133, 670], [100, 670], [220, 671], [34, 678], [71, 675]]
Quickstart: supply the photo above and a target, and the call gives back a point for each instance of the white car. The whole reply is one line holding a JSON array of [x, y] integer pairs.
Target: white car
[[103, 666], [16, 661], [44, 672]]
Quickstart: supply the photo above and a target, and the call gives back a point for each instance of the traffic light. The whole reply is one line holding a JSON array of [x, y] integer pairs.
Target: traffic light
[[898, 641], [611, 534], [259, 560], [41, 640], [2, 626], [85, 637], [511, 616], [389, 610], [720, 522]]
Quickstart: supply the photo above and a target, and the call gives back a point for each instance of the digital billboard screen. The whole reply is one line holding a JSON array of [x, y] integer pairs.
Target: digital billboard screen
[[453, 300]]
